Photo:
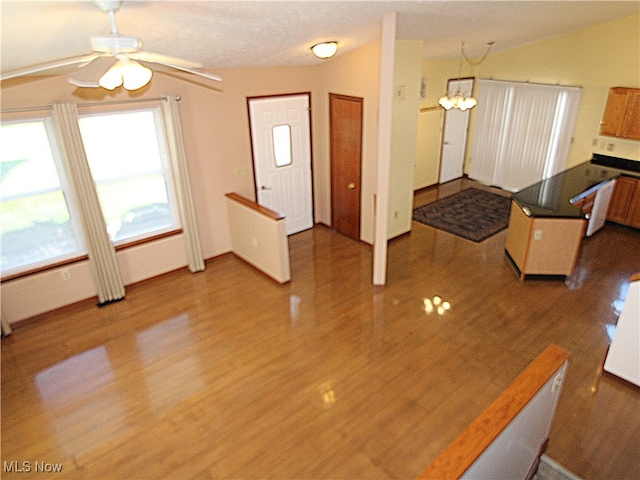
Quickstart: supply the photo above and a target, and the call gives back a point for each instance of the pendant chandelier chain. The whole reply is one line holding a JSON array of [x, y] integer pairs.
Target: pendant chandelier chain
[[478, 62], [457, 100]]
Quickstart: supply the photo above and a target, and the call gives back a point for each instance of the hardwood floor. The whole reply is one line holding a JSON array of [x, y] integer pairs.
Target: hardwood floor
[[227, 374]]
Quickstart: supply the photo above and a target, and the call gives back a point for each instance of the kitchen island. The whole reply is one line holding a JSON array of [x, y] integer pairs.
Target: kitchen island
[[549, 219]]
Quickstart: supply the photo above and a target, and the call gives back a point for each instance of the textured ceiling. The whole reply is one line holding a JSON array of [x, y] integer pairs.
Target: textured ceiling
[[224, 34]]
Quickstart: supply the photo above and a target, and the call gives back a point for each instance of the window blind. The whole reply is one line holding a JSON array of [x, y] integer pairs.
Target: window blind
[[523, 132]]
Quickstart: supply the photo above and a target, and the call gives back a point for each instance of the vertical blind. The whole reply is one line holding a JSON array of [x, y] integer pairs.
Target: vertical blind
[[523, 132]]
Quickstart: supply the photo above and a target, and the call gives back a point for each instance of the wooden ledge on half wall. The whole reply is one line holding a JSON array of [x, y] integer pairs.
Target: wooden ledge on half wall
[[478, 437]]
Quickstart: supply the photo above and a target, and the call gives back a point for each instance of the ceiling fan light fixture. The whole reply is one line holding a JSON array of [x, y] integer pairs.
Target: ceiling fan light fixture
[[325, 49], [126, 72], [135, 75], [112, 79]]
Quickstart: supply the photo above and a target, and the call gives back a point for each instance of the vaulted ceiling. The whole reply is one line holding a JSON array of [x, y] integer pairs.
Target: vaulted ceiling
[[225, 34]]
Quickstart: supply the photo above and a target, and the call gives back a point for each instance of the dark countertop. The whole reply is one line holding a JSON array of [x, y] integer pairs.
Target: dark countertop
[[554, 197]]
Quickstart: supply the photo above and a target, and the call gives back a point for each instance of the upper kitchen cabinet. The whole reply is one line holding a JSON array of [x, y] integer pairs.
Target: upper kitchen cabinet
[[622, 114]]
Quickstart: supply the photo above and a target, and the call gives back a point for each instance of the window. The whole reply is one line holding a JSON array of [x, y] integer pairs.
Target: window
[[38, 222], [127, 157], [282, 145]]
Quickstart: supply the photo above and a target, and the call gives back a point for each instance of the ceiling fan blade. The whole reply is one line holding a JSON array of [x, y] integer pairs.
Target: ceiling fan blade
[[194, 71], [163, 59], [89, 75], [43, 68]]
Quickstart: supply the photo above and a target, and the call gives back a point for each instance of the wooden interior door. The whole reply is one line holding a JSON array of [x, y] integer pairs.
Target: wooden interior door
[[346, 157]]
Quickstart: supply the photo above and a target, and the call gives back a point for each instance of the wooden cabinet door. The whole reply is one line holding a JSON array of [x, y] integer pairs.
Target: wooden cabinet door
[[622, 114], [615, 111], [621, 199], [634, 210], [631, 126]]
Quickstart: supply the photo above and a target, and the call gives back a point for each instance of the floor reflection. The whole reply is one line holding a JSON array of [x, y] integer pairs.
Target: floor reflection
[[171, 370], [74, 378]]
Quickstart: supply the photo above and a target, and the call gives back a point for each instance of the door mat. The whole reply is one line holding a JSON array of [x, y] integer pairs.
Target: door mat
[[472, 214]]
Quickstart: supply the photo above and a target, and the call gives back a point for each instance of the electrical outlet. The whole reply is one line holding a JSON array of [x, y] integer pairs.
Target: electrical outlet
[[556, 383], [537, 235], [65, 274]]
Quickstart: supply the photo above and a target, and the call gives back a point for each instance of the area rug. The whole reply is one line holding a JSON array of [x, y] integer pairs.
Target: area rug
[[472, 214]]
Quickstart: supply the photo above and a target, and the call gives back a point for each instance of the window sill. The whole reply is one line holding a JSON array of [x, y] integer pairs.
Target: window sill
[[69, 261], [81, 258], [152, 238]]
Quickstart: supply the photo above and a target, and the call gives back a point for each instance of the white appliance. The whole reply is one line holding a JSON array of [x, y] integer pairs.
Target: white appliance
[[600, 207], [623, 357]]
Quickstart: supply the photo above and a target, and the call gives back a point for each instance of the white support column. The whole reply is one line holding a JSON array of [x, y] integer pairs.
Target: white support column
[[385, 111]]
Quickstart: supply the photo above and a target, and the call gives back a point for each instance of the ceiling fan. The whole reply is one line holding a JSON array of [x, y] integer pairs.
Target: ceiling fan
[[116, 60]]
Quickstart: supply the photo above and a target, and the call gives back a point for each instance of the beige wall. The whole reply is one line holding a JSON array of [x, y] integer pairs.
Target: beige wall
[[354, 74], [595, 58], [218, 148]]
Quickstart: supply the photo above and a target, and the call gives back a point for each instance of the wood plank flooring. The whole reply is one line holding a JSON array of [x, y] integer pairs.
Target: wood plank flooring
[[227, 374]]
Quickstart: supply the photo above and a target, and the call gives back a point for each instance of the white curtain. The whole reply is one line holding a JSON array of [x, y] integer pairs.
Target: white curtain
[[523, 132], [102, 255], [178, 160]]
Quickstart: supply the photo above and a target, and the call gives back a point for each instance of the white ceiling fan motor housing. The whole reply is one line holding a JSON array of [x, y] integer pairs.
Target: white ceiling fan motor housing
[[115, 44]]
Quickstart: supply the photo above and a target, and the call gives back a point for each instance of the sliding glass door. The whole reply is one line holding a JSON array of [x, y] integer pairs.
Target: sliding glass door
[[523, 132]]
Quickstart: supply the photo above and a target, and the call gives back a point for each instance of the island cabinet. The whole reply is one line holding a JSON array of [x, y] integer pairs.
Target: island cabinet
[[625, 202], [548, 220], [543, 245], [622, 114]]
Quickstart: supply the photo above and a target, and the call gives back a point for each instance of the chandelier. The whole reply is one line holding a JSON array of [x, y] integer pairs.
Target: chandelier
[[458, 100]]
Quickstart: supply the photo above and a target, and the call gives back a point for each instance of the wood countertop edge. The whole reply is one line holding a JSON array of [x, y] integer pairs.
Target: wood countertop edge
[[254, 206]]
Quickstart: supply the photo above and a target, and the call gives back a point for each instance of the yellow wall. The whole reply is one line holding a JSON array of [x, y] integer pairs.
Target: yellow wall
[[408, 55], [430, 122], [595, 58]]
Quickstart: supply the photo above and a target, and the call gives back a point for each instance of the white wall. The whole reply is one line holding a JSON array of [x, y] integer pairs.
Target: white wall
[[259, 239]]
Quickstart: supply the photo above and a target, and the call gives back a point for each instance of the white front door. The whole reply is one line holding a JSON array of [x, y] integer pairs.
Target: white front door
[[454, 135], [281, 140]]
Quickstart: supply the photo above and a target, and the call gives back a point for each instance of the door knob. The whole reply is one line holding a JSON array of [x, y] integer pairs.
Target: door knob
[[265, 188], [351, 186]]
